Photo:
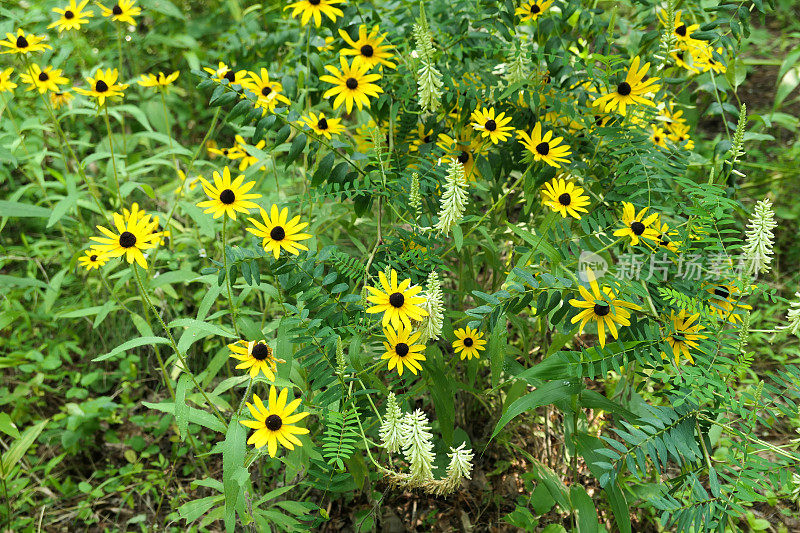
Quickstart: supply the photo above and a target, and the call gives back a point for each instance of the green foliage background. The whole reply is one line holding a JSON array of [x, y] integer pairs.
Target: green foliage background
[[589, 437]]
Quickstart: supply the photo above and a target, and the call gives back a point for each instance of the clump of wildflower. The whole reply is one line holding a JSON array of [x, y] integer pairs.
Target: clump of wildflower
[[793, 316], [518, 69], [390, 430], [429, 81], [760, 239], [431, 327], [454, 199], [414, 198], [418, 446], [460, 467]]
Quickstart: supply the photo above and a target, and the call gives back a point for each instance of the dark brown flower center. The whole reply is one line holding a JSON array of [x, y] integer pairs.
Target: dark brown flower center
[[681, 30], [468, 342], [535, 9], [314, 2], [227, 197], [565, 199], [722, 292], [277, 233], [601, 309], [663, 240], [543, 148], [43, 76], [230, 76], [367, 50], [265, 91], [351, 83], [261, 351], [624, 88], [22, 42], [637, 227], [490, 125], [322, 124], [401, 349], [396, 299], [100, 86], [463, 157], [427, 139], [273, 422], [680, 55], [69, 14], [93, 258], [116, 10], [127, 239]]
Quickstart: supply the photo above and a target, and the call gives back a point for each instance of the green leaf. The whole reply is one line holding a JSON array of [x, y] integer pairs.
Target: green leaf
[[233, 452], [458, 237], [61, 208], [323, 169], [196, 416], [7, 426], [191, 511], [53, 290], [497, 349], [20, 446], [547, 394], [133, 343], [16, 209], [298, 143], [181, 409], [583, 506]]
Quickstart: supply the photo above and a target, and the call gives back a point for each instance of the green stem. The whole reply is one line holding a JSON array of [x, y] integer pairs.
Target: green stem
[[174, 345], [227, 274], [113, 159], [244, 398]]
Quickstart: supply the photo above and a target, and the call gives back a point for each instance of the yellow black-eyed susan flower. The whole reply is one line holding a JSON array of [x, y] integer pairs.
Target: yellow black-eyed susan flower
[[180, 190], [684, 58], [226, 197], [43, 80], [666, 237], [268, 92], [224, 72], [103, 85], [315, 8], [327, 44], [122, 11], [420, 136], [398, 303], [351, 84], [533, 9], [401, 350], [707, 61], [368, 50], [469, 342], [545, 147], [659, 137], [321, 125], [72, 16], [24, 43], [92, 260], [725, 302], [630, 91], [277, 231], [637, 225], [680, 30], [680, 136], [245, 158], [151, 80], [464, 149], [60, 99], [604, 307], [274, 422], [257, 356], [6, 85], [564, 197], [234, 152], [133, 235], [490, 125], [683, 334], [363, 135], [671, 118]]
